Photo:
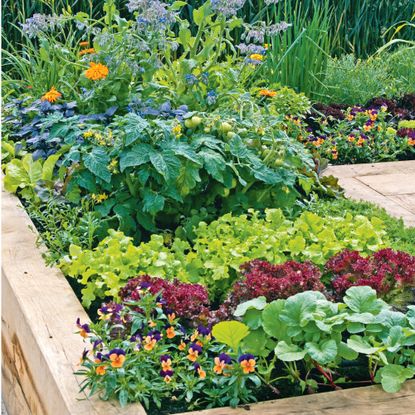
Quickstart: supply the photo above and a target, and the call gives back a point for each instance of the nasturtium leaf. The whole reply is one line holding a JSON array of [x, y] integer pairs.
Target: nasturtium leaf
[[323, 352], [271, 322], [230, 333], [97, 162], [289, 352], [255, 343], [258, 303], [346, 352], [360, 345], [298, 308], [393, 376], [363, 299]]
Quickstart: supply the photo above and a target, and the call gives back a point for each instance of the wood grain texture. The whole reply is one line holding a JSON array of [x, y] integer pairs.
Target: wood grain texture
[[369, 400], [39, 310]]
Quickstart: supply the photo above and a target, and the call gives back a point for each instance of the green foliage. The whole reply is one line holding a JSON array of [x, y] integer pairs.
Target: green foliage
[[400, 237], [25, 174], [230, 333], [151, 177], [298, 57], [320, 334], [354, 81], [220, 248]]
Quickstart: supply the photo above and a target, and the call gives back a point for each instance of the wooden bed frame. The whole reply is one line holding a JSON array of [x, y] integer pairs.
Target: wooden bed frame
[[40, 351]]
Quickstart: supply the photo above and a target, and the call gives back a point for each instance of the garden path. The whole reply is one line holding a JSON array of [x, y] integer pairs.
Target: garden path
[[390, 185]]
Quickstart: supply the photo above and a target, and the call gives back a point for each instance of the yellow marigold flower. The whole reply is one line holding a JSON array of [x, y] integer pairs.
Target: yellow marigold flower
[[84, 43], [96, 71], [52, 95], [257, 57], [86, 51], [267, 93]]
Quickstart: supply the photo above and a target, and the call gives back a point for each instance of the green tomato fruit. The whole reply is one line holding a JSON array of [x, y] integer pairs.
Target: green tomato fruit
[[225, 127], [206, 130], [230, 134], [196, 121], [278, 162], [188, 123]]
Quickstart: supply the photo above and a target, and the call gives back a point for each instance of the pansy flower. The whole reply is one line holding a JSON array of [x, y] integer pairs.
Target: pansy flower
[[151, 339], [171, 317], [165, 362], [170, 333], [84, 329], [117, 357], [193, 352], [182, 346], [199, 371], [166, 374], [247, 362], [221, 362]]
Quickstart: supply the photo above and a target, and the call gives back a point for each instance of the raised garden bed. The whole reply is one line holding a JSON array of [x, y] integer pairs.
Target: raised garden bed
[[40, 354]]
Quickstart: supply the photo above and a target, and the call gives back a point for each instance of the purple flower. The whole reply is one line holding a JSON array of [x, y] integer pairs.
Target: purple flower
[[117, 351], [196, 348], [223, 357], [165, 373], [204, 331], [245, 357], [154, 334], [165, 358]]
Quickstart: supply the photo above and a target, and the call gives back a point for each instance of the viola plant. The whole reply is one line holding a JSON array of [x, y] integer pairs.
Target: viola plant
[[140, 351], [355, 135]]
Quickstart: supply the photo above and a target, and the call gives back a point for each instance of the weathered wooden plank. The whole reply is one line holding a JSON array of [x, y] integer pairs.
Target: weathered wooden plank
[[369, 400], [39, 309]]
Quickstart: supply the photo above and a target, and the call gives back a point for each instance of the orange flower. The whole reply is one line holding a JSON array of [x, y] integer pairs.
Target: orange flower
[[257, 57], [149, 343], [248, 366], [193, 352], [201, 372], [411, 141], [167, 379], [166, 364], [86, 51], [117, 360], [52, 95], [171, 317], [84, 43], [350, 117], [219, 366], [194, 336], [267, 93], [100, 370], [182, 346], [351, 138], [170, 333], [151, 323], [96, 71]]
